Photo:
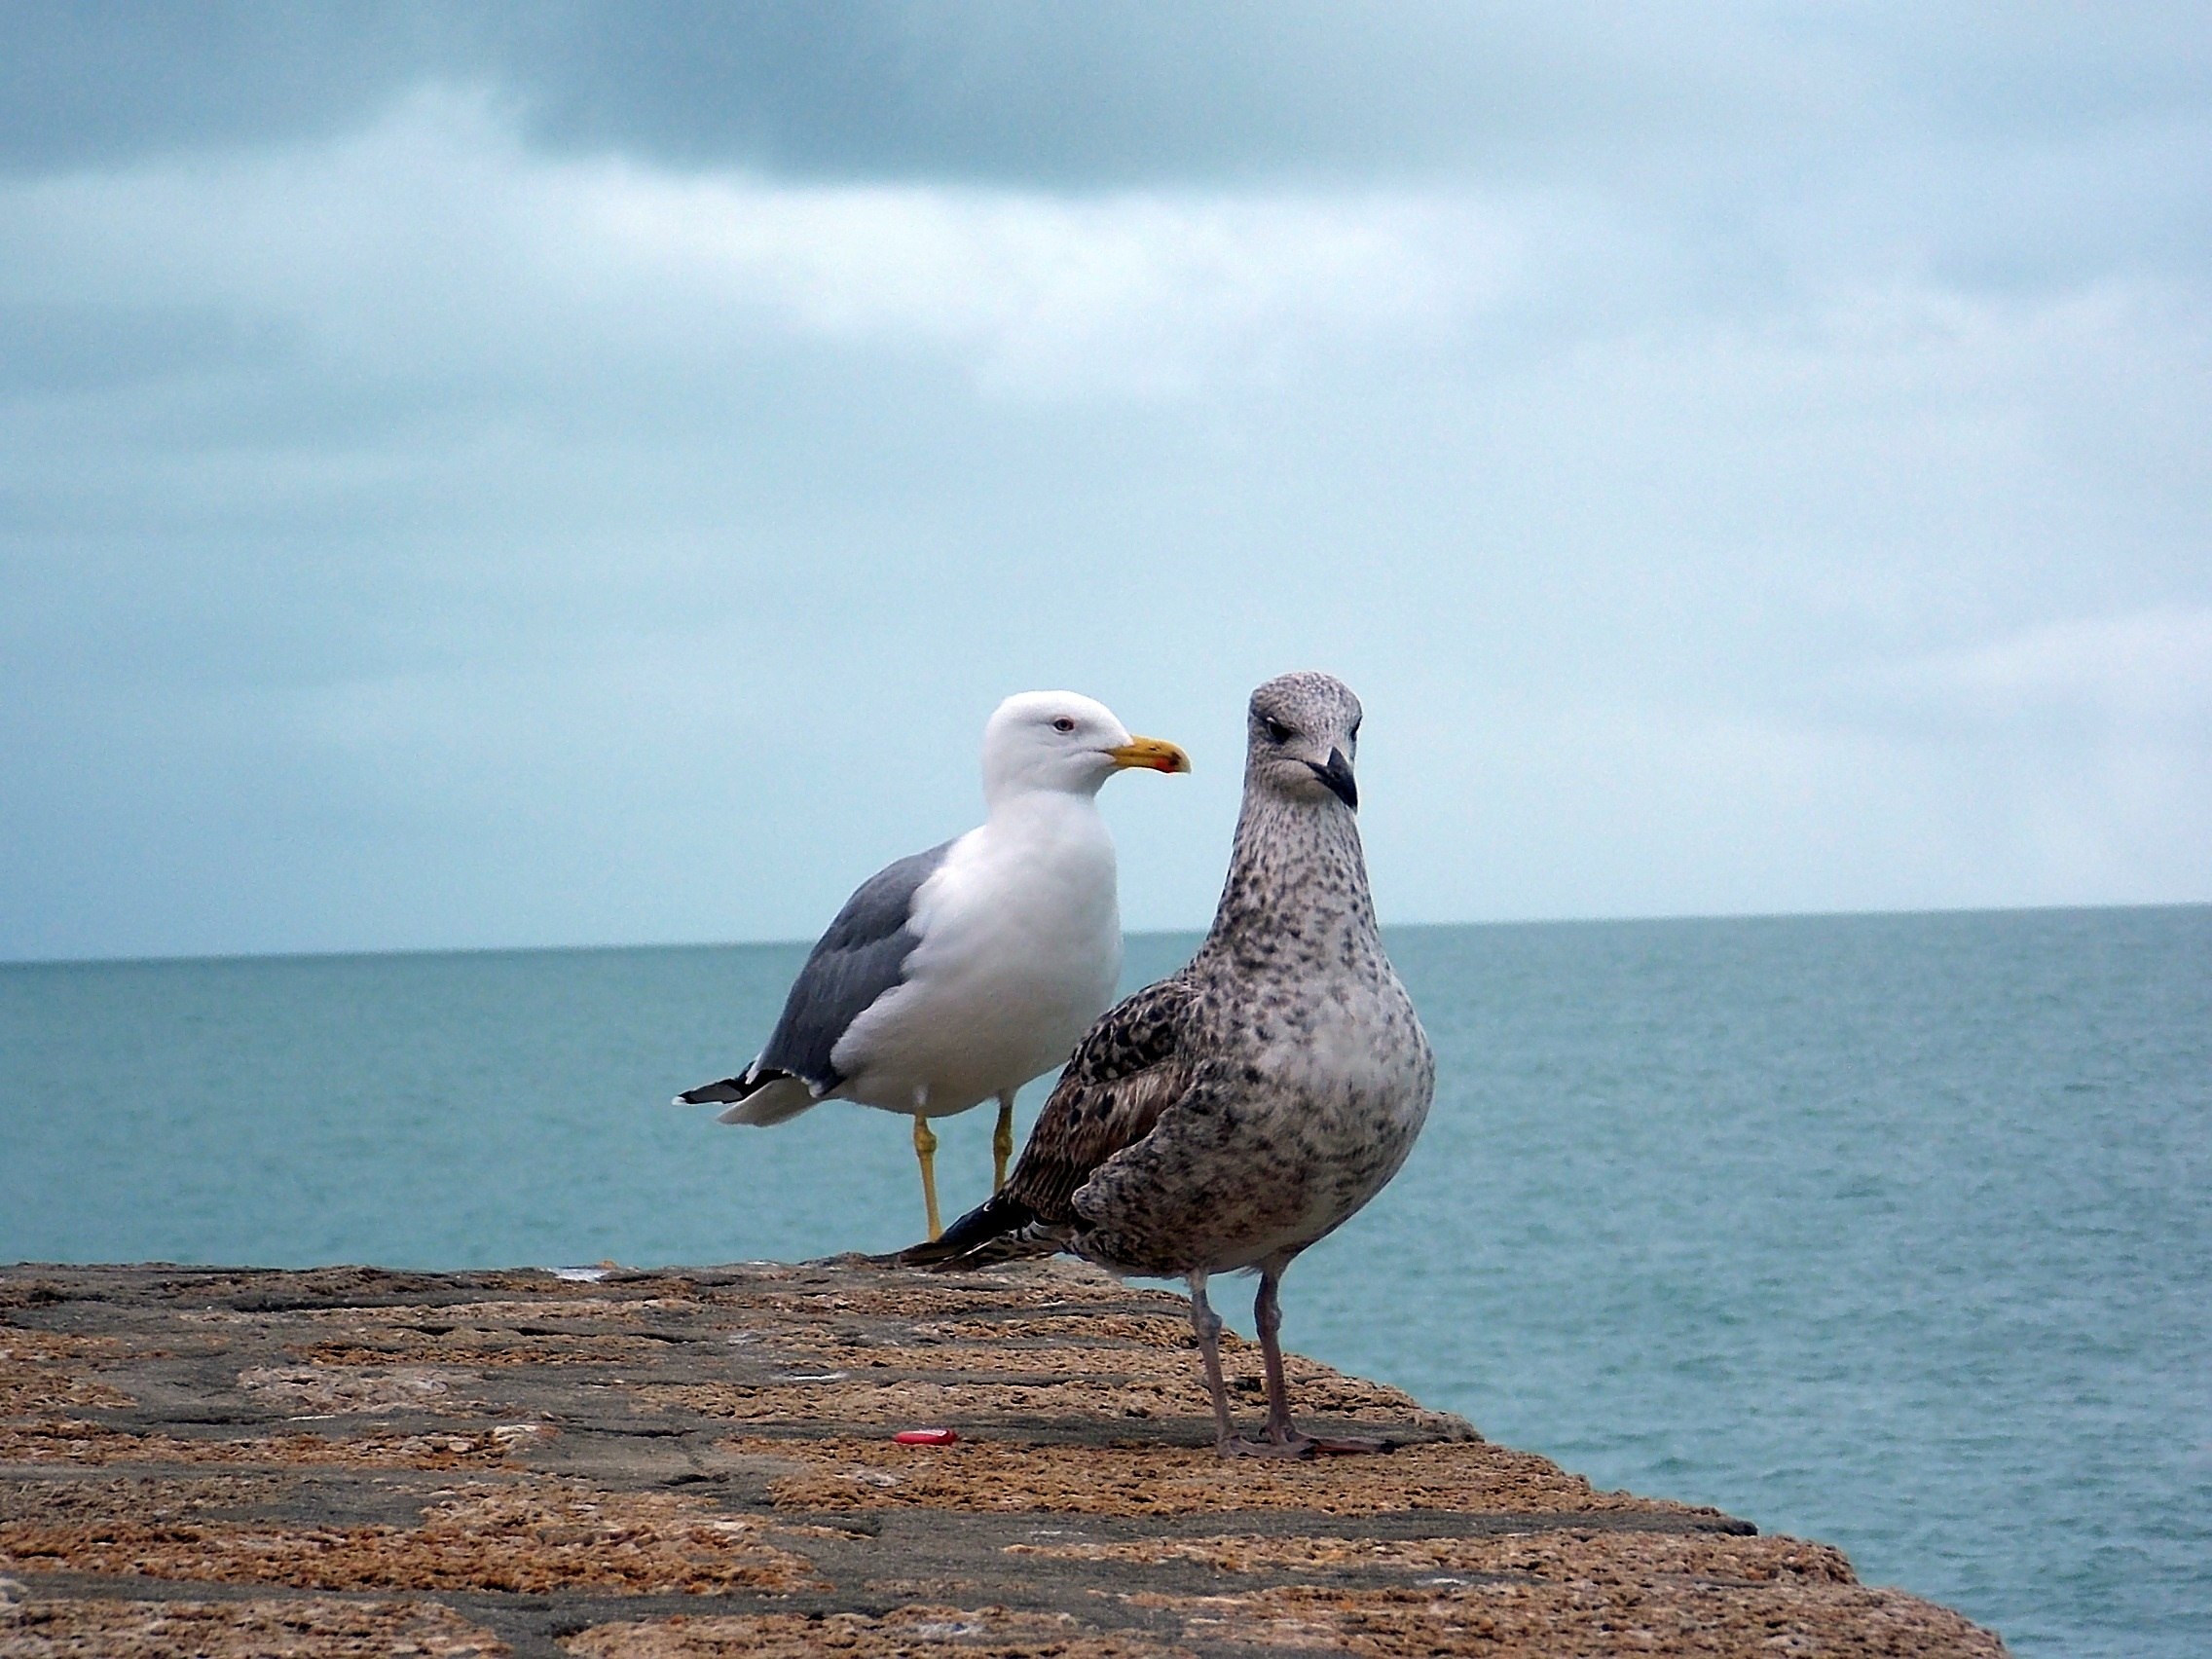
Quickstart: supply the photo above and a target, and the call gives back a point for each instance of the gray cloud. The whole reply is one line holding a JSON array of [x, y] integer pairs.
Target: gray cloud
[[1069, 95]]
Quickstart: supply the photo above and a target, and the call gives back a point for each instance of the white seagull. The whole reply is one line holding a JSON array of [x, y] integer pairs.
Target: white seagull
[[960, 973]]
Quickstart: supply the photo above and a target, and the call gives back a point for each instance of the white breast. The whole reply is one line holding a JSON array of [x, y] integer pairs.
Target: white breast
[[1020, 948]]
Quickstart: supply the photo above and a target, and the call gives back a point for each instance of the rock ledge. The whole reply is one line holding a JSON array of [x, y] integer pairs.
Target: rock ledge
[[700, 1461]]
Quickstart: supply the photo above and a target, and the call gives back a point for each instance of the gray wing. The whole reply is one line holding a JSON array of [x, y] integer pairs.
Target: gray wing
[[863, 955]]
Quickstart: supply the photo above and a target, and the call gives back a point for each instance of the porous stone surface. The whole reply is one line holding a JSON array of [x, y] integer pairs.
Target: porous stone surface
[[656, 1465]]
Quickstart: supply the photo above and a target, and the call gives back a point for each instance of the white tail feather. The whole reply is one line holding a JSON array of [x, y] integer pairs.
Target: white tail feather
[[771, 1103]]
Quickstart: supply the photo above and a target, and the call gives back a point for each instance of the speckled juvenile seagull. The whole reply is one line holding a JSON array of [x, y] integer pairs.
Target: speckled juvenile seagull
[[961, 973], [1230, 1115]]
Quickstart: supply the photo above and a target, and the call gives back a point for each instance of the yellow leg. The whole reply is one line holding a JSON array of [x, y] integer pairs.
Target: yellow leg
[[925, 1150], [1001, 1142]]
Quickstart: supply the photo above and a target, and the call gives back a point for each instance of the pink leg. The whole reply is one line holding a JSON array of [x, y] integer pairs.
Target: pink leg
[[1284, 1439], [1207, 1324]]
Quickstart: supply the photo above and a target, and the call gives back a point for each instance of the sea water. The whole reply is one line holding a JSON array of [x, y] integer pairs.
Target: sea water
[[1892, 1231]]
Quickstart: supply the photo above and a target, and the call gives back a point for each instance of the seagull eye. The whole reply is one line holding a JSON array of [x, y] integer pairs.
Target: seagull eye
[[1063, 724], [1277, 732]]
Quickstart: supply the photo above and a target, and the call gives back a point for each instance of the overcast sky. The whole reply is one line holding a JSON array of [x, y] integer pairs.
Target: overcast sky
[[576, 474]]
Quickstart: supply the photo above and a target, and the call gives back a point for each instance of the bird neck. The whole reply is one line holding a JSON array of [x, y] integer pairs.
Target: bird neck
[[1036, 806], [1296, 881]]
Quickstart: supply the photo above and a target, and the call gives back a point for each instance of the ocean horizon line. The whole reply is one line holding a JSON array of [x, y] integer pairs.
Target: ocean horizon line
[[1648, 919]]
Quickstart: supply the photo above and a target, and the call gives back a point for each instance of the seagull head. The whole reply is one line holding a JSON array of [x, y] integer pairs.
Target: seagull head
[[1063, 741], [1301, 736]]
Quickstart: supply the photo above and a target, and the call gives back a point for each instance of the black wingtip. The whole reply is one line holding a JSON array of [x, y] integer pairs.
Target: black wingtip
[[968, 1240], [729, 1090]]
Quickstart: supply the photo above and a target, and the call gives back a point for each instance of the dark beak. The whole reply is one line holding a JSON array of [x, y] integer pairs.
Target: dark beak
[[1337, 774]]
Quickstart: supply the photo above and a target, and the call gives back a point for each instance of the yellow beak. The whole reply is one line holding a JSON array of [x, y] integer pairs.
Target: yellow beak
[[1153, 752]]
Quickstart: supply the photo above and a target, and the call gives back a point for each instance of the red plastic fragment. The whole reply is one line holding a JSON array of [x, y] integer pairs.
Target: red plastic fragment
[[925, 1437]]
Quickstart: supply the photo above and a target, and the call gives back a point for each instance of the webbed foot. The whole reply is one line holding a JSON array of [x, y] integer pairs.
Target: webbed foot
[[1244, 1446], [1298, 1445]]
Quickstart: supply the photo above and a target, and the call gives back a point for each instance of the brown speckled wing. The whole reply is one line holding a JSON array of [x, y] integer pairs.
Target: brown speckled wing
[[1129, 1067]]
